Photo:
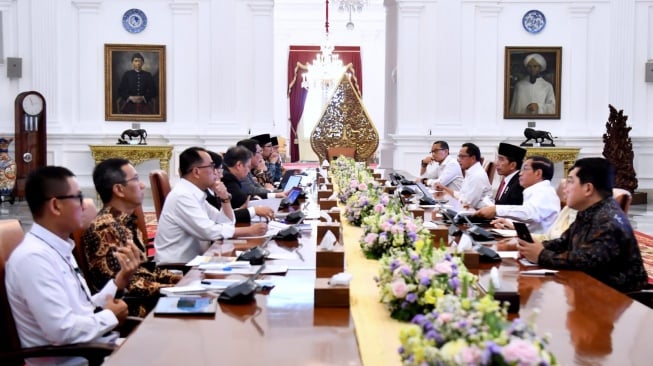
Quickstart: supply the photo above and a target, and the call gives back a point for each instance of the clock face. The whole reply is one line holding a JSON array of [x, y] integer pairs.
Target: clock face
[[32, 104]]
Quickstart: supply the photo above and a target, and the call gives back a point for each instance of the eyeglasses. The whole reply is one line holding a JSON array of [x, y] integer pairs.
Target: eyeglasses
[[525, 168], [134, 178], [462, 156], [79, 196], [212, 165]]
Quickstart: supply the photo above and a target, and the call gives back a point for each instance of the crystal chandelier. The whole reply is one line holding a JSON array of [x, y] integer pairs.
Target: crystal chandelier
[[349, 6], [327, 68]]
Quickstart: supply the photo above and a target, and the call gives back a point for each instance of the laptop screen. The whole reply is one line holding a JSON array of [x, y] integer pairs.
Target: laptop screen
[[293, 181]]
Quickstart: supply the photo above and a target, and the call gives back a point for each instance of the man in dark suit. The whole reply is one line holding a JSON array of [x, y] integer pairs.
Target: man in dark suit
[[243, 215], [508, 164]]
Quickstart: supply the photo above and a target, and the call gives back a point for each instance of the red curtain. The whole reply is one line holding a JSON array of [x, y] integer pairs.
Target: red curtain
[[298, 58]]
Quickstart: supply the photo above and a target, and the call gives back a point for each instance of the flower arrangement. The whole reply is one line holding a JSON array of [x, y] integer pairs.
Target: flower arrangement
[[388, 229], [350, 178], [412, 280], [365, 202], [464, 331]]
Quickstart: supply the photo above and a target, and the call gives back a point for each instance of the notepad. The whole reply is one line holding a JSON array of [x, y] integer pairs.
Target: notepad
[[185, 305], [269, 269]]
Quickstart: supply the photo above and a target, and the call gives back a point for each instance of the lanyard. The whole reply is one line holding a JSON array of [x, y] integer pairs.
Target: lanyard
[[75, 270]]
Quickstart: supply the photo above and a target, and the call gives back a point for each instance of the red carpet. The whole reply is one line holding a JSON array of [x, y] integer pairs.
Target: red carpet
[[645, 242]]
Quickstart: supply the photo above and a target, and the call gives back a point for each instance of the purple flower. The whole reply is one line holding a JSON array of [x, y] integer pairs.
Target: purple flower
[[414, 257], [424, 281], [454, 283], [418, 319], [411, 297], [394, 265]]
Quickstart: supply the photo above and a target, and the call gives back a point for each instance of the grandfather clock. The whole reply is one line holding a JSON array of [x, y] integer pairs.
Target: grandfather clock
[[30, 137]]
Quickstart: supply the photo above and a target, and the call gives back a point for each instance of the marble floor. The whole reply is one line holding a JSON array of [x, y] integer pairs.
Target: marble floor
[[641, 216]]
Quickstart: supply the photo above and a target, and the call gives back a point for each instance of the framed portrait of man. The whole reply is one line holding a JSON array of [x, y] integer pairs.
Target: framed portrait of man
[[134, 82], [532, 83]]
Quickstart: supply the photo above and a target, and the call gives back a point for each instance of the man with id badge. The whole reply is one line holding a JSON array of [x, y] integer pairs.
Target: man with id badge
[[48, 296]]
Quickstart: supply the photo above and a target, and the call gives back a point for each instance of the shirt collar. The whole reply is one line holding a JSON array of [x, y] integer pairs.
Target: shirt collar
[[64, 247], [197, 193]]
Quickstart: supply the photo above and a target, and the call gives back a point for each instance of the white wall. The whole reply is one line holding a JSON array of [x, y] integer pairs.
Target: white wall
[[437, 67]]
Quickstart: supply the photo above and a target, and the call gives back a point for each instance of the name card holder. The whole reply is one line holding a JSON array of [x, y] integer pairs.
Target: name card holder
[[416, 211], [389, 189], [324, 193]]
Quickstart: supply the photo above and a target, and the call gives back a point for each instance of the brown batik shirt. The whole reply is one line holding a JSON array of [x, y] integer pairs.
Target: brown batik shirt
[[112, 229], [601, 243]]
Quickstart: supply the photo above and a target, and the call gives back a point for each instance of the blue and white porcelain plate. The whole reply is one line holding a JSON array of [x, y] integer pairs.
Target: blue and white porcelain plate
[[134, 21], [533, 21]]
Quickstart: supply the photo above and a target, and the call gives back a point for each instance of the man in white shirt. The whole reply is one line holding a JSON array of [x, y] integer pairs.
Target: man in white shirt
[[476, 185], [188, 223], [541, 203], [49, 298], [440, 167], [508, 163]]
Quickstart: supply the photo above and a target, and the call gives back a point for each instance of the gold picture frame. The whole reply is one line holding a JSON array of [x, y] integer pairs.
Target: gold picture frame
[[132, 94], [529, 92]]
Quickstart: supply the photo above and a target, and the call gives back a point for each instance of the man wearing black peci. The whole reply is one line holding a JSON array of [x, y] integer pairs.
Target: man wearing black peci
[[508, 164]]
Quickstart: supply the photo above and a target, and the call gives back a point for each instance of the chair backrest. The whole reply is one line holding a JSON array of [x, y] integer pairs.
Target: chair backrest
[[160, 188], [488, 166], [334, 152], [11, 234], [623, 198]]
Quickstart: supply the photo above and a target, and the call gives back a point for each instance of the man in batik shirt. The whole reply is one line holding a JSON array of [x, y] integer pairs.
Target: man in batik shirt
[[117, 183], [601, 241]]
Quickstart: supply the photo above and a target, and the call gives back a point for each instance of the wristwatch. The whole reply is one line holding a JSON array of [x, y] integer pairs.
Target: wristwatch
[[225, 200]]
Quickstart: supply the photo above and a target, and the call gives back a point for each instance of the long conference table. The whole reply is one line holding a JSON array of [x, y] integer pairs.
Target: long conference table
[[588, 322]]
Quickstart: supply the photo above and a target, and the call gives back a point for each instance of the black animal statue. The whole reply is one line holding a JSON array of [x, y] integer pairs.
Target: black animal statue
[[536, 135], [131, 133]]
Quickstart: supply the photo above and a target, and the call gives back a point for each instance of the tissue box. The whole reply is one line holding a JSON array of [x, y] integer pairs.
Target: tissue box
[[471, 259], [329, 186], [327, 296], [507, 293], [335, 214], [440, 235], [331, 317], [376, 175], [389, 189], [325, 203], [324, 193], [323, 227], [416, 211]]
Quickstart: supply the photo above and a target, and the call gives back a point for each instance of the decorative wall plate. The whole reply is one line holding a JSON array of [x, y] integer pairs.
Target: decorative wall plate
[[134, 21], [533, 21]]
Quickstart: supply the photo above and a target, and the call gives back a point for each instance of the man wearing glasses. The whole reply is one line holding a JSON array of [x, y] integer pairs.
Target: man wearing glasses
[[440, 167], [115, 226], [476, 185], [249, 183], [48, 296], [188, 224], [541, 202], [270, 156]]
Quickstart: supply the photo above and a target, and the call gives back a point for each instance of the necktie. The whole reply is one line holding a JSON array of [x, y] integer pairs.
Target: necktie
[[500, 190]]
